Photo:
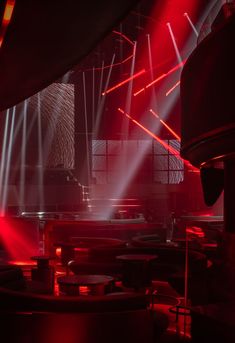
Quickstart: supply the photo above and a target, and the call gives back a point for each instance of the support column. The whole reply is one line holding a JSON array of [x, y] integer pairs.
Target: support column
[[229, 196], [229, 211], [227, 273], [83, 136]]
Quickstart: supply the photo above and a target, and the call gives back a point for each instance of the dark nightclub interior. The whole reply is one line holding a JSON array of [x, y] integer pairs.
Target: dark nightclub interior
[[117, 216]]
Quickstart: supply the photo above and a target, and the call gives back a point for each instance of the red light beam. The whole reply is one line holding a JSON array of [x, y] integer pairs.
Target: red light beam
[[164, 144], [172, 88], [18, 245], [142, 71], [166, 125], [161, 77], [159, 140]]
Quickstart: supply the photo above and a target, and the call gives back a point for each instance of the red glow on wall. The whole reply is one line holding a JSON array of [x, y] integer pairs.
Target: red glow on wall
[[18, 239], [166, 125], [84, 290], [58, 251], [142, 71], [195, 231], [23, 263], [206, 214], [9, 7]]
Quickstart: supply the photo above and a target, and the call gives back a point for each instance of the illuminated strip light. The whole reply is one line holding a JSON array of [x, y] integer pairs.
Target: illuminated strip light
[[166, 126], [172, 88], [10, 4], [125, 199], [139, 91], [160, 78], [220, 157], [164, 144], [124, 82], [126, 205]]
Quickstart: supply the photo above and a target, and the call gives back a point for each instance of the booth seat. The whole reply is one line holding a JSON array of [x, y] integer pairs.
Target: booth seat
[[26, 317]]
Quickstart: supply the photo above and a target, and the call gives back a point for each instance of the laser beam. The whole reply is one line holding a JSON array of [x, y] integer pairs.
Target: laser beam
[[142, 71], [150, 133], [161, 77], [172, 88], [165, 124], [159, 140]]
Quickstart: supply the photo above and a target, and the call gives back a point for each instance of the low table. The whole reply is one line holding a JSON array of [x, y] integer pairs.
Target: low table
[[85, 284]]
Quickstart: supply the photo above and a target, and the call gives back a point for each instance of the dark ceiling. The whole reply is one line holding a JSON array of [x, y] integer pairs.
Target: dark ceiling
[[45, 39]]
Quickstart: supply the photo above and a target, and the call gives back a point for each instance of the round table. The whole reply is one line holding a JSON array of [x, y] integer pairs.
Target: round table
[[85, 284]]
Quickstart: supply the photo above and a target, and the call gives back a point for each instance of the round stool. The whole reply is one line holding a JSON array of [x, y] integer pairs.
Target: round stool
[[137, 270]]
